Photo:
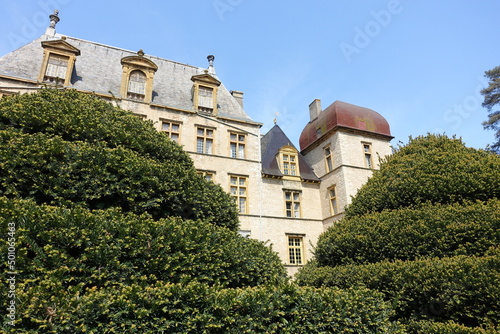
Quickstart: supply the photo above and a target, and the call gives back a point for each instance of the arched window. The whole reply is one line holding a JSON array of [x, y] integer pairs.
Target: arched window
[[136, 85], [288, 161], [137, 78]]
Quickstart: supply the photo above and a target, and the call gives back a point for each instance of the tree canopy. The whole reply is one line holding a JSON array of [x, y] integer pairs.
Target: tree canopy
[[491, 100]]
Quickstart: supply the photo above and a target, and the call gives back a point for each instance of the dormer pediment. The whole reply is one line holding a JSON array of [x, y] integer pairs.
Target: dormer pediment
[[206, 79], [61, 45], [139, 62]]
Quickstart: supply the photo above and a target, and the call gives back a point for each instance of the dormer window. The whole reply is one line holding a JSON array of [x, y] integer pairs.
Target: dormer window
[[136, 85], [57, 67], [58, 62], [206, 99], [205, 93], [137, 77], [288, 161]]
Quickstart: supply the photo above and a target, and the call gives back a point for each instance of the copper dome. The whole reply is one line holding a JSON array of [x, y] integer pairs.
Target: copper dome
[[343, 115]]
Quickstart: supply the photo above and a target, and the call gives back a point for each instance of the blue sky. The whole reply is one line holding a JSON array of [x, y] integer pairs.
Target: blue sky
[[418, 63]]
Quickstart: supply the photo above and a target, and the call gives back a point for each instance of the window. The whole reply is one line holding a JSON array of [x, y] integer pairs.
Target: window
[[245, 233], [59, 58], [333, 200], [136, 85], [238, 189], [205, 89], [208, 175], [328, 159], [172, 129], [288, 161], [57, 67], [367, 150], [237, 145], [137, 77], [292, 204], [205, 99], [295, 250], [204, 140]]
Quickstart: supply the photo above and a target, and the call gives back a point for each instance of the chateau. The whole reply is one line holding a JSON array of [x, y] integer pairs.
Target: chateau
[[285, 195]]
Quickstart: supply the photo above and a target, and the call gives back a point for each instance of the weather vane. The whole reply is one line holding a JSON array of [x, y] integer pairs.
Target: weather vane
[[276, 114]]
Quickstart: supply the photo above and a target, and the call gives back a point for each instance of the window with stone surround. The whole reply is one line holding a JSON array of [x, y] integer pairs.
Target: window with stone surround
[[295, 250], [237, 142], [367, 151], [292, 204], [328, 159], [332, 193], [207, 174], [238, 190], [136, 89], [204, 140], [172, 129], [288, 160]]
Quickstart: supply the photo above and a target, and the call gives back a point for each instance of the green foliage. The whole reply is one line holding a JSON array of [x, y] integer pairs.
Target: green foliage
[[65, 147], [434, 169], [198, 308], [76, 116], [100, 249], [449, 327], [491, 99], [464, 289], [423, 231], [431, 230]]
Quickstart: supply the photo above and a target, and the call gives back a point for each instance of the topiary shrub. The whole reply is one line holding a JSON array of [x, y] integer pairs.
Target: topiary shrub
[[102, 248], [464, 289], [449, 327], [199, 308], [76, 116], [432, 168], [431, 230]]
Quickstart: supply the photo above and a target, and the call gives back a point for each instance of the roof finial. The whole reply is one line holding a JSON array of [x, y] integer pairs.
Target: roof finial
[[54, 18], [51, 29], [211, 68]]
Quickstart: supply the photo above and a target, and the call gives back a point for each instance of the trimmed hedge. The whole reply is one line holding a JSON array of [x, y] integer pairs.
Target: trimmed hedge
[[407, 234], [94, 250], [432, 168], [76, 116], [464, 289], [51, 170], [197, 308], [449, 327]]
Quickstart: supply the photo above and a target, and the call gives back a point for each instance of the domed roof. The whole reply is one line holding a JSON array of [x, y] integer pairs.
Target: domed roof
[[343, 115]]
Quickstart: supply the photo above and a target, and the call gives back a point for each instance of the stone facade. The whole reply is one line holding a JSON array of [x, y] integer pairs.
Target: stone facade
[[284, 194]]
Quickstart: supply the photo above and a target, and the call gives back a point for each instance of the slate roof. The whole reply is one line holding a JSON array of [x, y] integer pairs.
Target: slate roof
[[98, 69], [271, 142]]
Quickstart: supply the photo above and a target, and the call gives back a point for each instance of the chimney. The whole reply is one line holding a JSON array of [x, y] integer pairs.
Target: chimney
[[238, 96], [314, 109]]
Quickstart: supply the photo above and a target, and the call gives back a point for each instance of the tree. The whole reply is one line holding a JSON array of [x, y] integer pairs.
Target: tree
[[423, 231], [491, 99]]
